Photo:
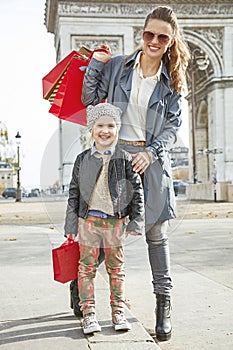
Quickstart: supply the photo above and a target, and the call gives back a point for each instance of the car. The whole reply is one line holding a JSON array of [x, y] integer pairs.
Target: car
[[9, 192], [179, 187], [35, 192], [24, 193]]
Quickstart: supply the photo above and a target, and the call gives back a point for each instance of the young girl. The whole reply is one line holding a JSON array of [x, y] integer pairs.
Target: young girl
[[148, 86], [104, 190]]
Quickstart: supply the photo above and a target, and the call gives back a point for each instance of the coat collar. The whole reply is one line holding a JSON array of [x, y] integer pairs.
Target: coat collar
[[162, 87], [130, 61]]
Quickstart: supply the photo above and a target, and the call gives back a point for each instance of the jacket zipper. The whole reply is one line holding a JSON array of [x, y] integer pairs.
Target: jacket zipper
[[92, 192], [118, 190]]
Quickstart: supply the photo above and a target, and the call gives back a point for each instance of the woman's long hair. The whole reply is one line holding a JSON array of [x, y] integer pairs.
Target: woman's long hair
[[177, 56]]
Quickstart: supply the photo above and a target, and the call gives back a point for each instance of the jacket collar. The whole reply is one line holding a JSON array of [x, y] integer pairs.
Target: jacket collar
[[130, 61], [162, 88], [115, 152], [111, 150]]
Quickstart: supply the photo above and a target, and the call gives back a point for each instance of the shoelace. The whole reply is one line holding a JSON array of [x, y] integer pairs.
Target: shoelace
[[120, 318], [88, 320]]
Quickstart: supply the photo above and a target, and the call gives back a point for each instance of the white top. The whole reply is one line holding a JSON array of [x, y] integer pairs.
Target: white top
[[134, 120], [101, 198]]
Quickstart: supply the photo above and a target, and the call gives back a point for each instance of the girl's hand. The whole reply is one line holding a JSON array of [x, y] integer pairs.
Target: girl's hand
[[140, 162], [104, 54], [70, 236]]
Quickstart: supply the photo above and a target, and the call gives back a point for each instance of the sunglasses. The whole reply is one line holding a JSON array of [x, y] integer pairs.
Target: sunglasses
[[163, 39]]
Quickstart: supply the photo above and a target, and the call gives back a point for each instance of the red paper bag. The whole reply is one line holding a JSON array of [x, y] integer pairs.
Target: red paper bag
[[67, 102], [50, 81], [62, 86], [65, 261]]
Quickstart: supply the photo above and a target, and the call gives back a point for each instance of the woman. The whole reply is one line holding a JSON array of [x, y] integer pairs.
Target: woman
[[147, 86]]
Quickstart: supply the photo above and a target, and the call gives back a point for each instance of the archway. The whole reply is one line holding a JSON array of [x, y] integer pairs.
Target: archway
[[201, 87]]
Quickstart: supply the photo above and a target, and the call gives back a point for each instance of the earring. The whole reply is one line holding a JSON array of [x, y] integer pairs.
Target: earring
[[169, 53]]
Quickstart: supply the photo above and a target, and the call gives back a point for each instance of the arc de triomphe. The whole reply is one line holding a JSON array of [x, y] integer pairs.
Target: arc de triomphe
[[207, 28]]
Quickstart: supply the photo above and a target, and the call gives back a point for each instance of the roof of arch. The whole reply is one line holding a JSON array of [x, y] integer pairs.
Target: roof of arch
[[207, 46]]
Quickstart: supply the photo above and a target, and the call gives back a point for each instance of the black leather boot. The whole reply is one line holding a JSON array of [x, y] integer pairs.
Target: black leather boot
[[163, 328], [74, 298]]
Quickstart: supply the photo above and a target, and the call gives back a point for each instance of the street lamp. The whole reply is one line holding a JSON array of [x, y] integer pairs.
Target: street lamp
[[18, 191], [200, 61], [214, 179]]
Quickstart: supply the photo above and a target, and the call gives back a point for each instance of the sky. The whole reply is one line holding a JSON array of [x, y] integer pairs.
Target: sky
[[27, 55]]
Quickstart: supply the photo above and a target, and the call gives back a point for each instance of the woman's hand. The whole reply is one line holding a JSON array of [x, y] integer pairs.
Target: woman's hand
[[104, 54], [141, 161]]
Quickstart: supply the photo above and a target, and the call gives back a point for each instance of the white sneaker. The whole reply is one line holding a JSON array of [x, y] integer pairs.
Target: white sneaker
[[119, 322], [90, 324]]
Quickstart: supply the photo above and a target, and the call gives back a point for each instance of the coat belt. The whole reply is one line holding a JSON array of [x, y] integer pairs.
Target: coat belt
[[133, 143]]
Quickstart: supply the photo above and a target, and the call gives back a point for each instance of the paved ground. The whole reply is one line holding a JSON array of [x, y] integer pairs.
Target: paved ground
[[202, 298], [52, 210], [34, 309]]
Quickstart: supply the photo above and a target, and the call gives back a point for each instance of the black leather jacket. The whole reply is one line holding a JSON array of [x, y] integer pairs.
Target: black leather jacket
[[124, 184]]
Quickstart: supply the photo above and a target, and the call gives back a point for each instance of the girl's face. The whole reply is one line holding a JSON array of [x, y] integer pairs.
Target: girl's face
[[157, 37], [104, 133]]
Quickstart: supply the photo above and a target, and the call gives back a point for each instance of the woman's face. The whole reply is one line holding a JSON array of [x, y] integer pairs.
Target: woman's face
[[157, 37]]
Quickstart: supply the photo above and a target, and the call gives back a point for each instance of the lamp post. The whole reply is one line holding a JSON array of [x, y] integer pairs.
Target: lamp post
[[214, 179], [18, 191], [200, 61]]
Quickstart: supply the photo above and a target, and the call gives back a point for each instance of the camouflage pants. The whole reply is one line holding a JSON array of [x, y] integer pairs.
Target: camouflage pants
[[93, 233]]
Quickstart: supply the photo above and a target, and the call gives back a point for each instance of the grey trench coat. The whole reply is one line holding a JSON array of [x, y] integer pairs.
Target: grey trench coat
[[112, 80]]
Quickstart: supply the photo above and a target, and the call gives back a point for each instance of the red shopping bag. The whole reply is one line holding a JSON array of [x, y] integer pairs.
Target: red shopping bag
[[65, 261], [62, 86]]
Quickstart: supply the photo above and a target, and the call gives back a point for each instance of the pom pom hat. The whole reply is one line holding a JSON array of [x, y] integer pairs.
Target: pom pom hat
[[100, 110]]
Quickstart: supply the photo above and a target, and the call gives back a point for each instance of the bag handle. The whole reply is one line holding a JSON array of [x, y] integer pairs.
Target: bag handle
[[89, 53], [69, 241]]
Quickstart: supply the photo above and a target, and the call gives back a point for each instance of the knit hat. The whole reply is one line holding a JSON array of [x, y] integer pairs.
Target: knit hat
[[100, 110]]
